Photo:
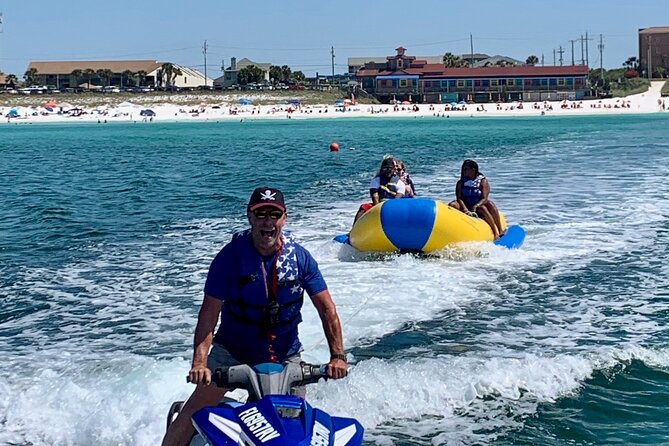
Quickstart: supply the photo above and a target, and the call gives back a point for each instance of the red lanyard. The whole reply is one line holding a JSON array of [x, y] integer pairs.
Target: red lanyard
[[271, 298]]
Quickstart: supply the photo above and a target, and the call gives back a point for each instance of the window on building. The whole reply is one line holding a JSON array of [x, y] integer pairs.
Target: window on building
[[461, 83], [561, 82], [403, 82], [399, 63], [494, 82], [477, 82], [444, 84], [468, 83], [510, 82]]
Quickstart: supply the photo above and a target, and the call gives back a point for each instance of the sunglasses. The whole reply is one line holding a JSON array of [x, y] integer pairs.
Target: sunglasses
[[274, 214]]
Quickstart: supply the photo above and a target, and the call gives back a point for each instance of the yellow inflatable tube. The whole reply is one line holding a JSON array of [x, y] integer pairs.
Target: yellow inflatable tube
[[417, 224]]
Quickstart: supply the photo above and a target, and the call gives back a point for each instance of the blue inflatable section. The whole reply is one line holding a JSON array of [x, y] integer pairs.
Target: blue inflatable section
[[408, 222], [513, 238]]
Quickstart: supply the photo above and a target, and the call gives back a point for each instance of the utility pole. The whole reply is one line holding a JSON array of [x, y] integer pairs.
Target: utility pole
[[204, 51], [582, 53], [561, 51], [542, 59], [554, 62], [471, 51], [572, 51], [333, 61], [600, 47], [587, 44], [1, 26]]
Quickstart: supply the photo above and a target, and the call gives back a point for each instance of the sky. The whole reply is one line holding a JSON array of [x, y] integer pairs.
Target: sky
[[301, 33]]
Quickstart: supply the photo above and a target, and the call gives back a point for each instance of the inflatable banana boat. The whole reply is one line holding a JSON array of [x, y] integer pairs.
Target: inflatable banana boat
[[422, 225]]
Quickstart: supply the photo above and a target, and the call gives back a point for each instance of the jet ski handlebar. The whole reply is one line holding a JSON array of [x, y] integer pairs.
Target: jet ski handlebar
[[269, 378]]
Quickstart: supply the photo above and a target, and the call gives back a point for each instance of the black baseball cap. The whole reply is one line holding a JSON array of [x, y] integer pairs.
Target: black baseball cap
[[266, 196]]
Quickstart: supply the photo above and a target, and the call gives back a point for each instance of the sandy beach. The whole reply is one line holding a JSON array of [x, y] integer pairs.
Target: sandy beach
[[229, 108]]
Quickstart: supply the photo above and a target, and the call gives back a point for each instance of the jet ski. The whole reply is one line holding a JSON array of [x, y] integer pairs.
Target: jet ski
[[271, 415]]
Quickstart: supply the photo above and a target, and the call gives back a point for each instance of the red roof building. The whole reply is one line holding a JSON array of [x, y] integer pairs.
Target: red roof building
[[405, 78]]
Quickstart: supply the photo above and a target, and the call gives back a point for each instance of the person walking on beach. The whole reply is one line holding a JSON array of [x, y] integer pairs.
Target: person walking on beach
[[471, 197], [255, 285]]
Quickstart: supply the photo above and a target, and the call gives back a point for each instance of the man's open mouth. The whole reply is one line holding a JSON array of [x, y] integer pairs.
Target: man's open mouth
[[271, 233]]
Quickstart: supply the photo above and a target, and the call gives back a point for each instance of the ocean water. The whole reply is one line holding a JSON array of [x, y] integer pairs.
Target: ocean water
[[107, 231]]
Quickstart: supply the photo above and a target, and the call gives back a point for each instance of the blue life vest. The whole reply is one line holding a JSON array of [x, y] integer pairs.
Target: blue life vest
[[261, 313], [471, 191], [388, 188]]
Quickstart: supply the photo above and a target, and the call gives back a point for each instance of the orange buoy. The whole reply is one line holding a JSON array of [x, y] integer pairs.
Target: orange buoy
[[334, 147]]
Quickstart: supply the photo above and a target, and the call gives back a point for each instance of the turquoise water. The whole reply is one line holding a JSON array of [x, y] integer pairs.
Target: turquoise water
[[107, 232]]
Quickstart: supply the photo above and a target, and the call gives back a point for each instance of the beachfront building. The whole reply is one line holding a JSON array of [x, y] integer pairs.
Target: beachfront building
[[405, 77], [230, 79], [94, 75], [654, 48]]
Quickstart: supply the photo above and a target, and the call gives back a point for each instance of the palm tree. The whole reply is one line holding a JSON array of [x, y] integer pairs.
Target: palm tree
[[108, 75], [532, 60], [165, 73], [453, 61], [12, 80], [176, 72], [127, 74], [31, 77], [141, 77], [89, 73], [74, 77], [632, 63]]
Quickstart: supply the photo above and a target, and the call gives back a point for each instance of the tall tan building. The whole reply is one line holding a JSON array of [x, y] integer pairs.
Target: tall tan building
[[654, 48]]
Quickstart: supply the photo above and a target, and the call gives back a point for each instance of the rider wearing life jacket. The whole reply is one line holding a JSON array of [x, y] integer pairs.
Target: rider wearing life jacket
[[386, 185], [471, 196], [255, 286]]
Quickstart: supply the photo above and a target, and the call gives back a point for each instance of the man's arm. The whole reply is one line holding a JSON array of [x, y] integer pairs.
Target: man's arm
[[332, 327], [204, 336]]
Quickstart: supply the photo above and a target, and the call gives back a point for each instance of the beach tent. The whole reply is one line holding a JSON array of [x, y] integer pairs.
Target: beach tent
[[294, 101], [12, 113], [125, 104], [147, 112], [245, 101]]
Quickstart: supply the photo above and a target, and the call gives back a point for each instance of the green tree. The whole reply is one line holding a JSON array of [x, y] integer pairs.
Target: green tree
[[632, 63], [141, 77], [297, 77], [88, 74], [128, 75], [75, 75], [453, 61], [11, 80], [532, 60], [249, 75], [31, 77], [275, 75], [285, 73], [168, 73]]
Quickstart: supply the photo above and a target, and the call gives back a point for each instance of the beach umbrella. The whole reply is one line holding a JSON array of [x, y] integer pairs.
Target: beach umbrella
[[147, 112], [125, 104], [406, 103], [294, 101], [245, 101]]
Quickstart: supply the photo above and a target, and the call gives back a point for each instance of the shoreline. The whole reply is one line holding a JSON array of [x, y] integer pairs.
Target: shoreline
[[644, 103]]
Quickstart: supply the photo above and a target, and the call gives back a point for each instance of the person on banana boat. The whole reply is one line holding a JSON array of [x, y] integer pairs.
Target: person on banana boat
[[472, 197], [386, 185], [410, 191]]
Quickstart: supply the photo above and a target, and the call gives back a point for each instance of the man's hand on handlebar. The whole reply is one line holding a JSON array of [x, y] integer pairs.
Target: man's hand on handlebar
[[337, 368], [199, 374]]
